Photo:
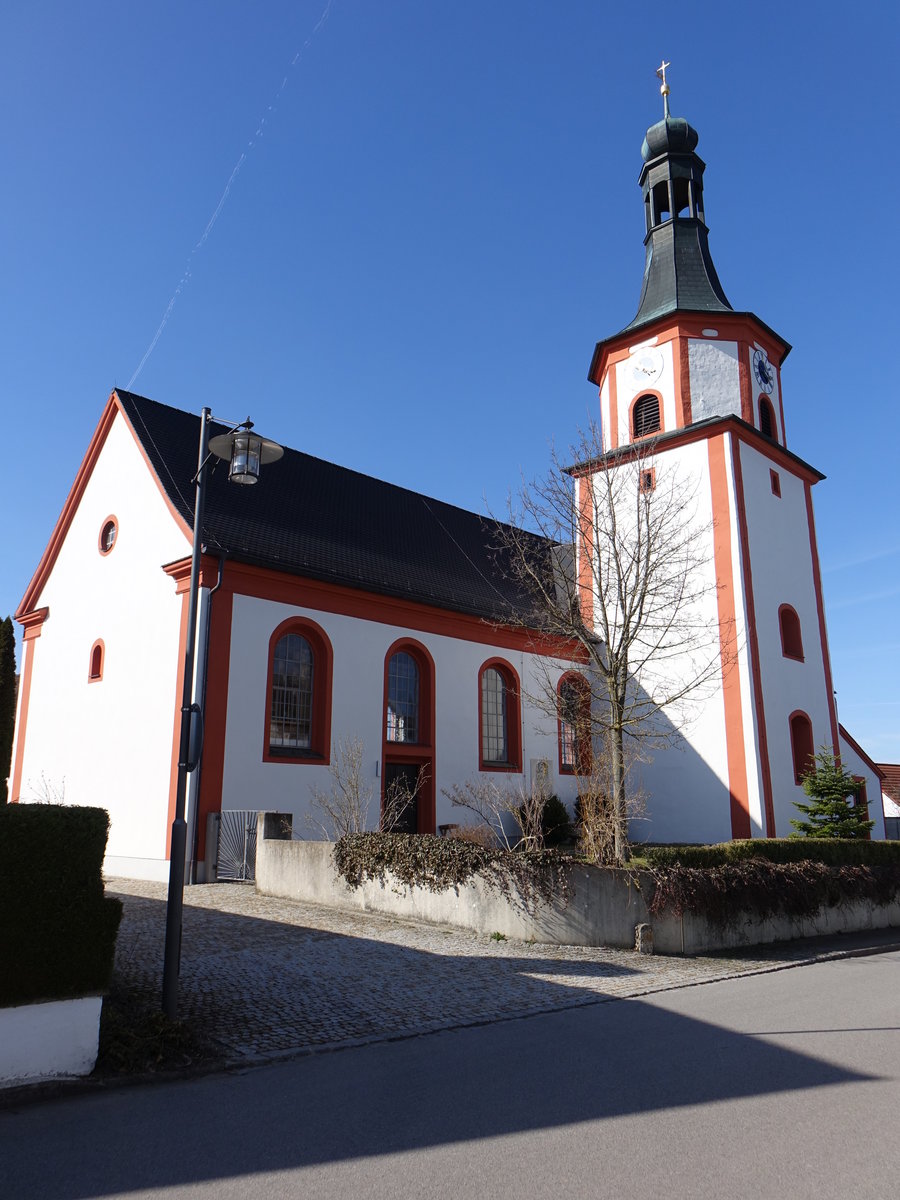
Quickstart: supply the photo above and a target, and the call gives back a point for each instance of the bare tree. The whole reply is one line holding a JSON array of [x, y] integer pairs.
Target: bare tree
[[344, 809], [621, 573], [500, 807]]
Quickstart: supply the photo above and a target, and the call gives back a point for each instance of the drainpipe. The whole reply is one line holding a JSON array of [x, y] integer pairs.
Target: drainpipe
[[195, 779]]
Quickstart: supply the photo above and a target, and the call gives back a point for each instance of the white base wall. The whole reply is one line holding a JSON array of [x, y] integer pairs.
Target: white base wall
[[156, 869], [48, 1041]]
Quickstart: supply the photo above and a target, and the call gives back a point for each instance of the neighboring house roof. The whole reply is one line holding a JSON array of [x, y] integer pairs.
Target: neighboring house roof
[[890, 780], [312, 518]]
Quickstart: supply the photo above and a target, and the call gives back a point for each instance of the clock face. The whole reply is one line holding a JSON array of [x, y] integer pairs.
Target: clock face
[[645, 366], [764, 371]]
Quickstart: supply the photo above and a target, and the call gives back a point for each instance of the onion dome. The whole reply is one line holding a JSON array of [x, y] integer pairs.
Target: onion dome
[[672, 135]]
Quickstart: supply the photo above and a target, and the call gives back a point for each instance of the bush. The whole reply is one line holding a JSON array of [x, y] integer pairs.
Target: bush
[[439, 864], [729, 893], [832, 851], [556, 824], [57, 929]]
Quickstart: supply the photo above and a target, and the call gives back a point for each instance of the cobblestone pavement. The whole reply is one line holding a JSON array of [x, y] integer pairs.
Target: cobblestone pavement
[[267, 978]]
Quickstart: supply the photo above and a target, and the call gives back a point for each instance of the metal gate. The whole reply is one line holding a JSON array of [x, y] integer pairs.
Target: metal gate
[[237, 845]]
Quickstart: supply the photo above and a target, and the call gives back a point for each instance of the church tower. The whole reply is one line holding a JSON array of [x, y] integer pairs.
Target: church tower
[[703, 383]]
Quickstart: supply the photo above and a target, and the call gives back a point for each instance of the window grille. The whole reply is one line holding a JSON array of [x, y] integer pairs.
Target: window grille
[[403, 698], [290, 724], [569, 696], [494, 717]]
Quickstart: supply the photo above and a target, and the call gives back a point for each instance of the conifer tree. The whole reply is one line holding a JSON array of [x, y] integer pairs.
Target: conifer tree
[[7, 701], [831, 814]]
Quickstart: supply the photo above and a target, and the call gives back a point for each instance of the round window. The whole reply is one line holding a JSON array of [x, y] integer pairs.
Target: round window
[[108, 536]]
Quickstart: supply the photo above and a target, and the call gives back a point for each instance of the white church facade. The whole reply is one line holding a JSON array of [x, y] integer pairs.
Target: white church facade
[[335, 607]]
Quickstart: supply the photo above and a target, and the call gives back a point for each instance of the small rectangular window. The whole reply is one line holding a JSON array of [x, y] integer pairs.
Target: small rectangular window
[[776, 483], [648, 481]]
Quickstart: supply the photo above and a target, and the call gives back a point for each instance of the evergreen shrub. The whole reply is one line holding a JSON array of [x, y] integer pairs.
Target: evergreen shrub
[[57, 929]]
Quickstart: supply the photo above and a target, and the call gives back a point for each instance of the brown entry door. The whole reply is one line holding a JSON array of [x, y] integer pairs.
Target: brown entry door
[[403, 777]]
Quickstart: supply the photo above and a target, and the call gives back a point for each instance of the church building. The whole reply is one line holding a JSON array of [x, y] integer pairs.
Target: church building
[[335, 608]]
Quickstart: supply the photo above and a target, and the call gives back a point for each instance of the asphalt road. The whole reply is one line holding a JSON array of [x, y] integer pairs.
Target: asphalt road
[[785, 1084]]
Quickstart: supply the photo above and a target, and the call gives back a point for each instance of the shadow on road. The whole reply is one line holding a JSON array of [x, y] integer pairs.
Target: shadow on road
[[563, 1068]]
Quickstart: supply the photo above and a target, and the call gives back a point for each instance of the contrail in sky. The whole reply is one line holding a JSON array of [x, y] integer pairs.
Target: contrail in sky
[[185, 278]]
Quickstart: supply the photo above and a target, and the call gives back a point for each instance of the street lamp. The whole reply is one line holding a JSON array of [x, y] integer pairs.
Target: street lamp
[[245, 452]]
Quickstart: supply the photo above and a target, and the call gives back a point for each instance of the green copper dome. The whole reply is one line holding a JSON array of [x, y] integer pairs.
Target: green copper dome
[[672, 135]]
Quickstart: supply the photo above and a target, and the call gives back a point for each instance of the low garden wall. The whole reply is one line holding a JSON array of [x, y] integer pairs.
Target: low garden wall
[[603, 906]]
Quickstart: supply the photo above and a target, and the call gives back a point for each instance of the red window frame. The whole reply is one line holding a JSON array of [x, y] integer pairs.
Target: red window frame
[[319, 753], [420, 753], [802, 745], [775, 480], [95, 661], [510, 678], [862, 802], [764, 401], [110, 520], [636, 437], [583, 756], [791, 634]]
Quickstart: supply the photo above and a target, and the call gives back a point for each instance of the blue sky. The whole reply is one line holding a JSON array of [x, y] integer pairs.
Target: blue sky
[[435, 218]]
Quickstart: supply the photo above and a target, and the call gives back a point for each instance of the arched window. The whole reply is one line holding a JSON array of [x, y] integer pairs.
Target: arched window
[[574, 710], [766, 418], [298, 712], [407, 775], [498, 717], [791, 640], [402, 722], [645, 416], [802, 749], [95, 663]]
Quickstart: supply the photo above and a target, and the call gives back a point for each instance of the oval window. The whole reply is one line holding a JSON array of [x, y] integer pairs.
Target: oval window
[[108, 535]]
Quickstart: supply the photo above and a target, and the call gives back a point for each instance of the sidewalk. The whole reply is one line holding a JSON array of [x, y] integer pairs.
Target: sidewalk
[[269, 978]]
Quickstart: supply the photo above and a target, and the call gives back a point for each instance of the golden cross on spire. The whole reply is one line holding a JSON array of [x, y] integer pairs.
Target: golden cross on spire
[[664, 90]]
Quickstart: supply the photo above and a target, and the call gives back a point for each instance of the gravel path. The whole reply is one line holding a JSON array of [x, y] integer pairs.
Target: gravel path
[[268, 978]]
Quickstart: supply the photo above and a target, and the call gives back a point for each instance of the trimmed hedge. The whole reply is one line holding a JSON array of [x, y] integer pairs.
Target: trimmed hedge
[[836, 852], [57, 929]]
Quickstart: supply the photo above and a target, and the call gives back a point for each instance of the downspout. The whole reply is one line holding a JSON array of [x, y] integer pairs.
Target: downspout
[[200, 693]]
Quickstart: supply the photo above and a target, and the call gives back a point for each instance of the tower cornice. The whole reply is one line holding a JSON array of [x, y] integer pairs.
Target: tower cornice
[[725, 325]]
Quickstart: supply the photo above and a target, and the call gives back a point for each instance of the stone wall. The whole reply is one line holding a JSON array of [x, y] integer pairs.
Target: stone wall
[[605, 904]]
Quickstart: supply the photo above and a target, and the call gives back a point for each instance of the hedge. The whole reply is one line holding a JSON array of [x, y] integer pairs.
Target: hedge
[[835, 852], [57, 929], [753, 887]]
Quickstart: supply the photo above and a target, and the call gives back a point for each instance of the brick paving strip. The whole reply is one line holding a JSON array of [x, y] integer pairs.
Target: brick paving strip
[[268, 978]]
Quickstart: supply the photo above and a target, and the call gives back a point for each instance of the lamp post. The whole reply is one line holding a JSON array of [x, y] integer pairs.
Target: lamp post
[[245, 452]]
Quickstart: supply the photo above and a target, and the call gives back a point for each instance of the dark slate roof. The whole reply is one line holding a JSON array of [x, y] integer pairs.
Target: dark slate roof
[[679, 275], [312, 518]]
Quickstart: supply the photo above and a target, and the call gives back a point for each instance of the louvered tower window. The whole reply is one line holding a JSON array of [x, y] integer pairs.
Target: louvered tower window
[[645, 416], [766, 419]]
